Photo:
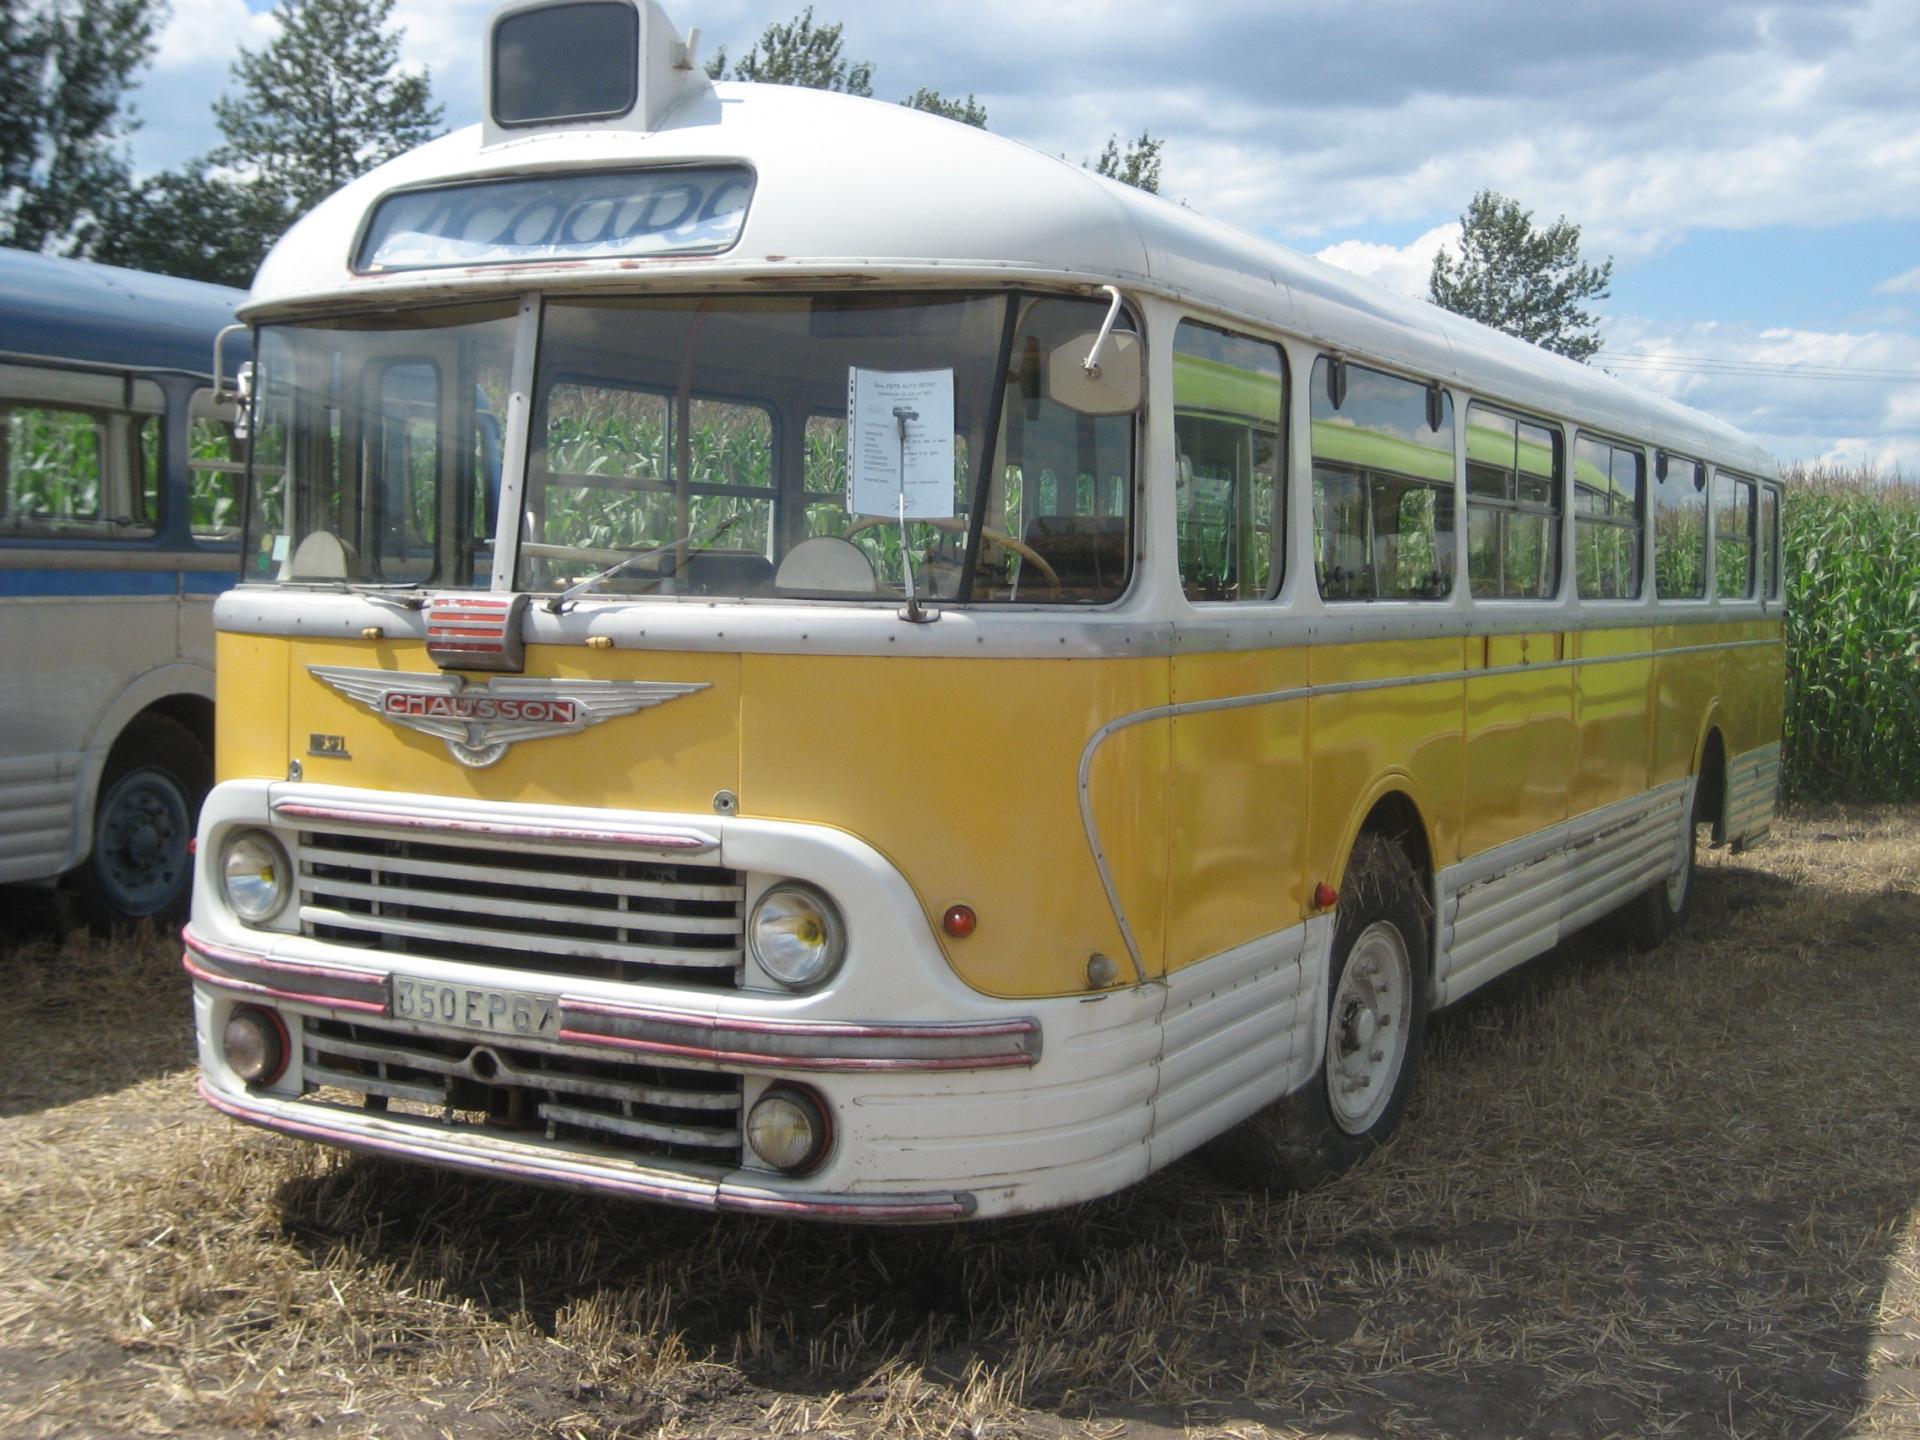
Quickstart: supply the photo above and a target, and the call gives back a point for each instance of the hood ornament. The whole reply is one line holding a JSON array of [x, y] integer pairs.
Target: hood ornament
[[480, 721]]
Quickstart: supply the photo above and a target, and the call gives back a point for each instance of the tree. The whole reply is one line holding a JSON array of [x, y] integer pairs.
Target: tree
[[319, 106], [1138, 165], [1525, 281], [323, 104], [968, 111], [799, 53], [65, 66], [198, 226]]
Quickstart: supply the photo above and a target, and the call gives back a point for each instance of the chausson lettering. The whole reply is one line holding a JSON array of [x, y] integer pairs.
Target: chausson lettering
[[482, 708]]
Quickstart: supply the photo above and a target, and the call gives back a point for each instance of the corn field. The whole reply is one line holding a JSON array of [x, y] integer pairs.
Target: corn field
[[1853, 636]]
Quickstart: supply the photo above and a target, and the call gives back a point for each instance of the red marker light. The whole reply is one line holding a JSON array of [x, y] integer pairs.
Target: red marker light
[[193, 845], [959, 921], [1325, 897]]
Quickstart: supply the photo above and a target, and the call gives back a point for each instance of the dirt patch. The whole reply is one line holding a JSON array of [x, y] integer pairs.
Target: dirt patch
[[1638, 1194]]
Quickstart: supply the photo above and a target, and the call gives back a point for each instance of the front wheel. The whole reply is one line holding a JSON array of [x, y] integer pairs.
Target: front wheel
[[141, 863], [1376, 1028]]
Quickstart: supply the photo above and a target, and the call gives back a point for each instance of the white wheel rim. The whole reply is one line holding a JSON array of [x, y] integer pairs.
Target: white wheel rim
[[1678, 881], [1367, 1030]]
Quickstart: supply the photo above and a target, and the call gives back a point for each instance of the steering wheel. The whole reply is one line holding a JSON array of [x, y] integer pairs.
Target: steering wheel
[[954, 525]]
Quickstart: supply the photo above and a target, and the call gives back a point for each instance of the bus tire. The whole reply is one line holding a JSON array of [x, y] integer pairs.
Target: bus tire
[[140, 866], [1657, 912], [1376, 1030]]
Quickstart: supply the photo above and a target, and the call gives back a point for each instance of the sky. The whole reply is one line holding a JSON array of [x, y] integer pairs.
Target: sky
[[1753, 170]]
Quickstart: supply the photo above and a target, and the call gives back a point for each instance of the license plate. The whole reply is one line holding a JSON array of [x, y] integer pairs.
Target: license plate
[[475, 1007]]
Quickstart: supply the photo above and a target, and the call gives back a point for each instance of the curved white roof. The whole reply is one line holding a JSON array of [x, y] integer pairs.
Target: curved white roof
[[849, 189]]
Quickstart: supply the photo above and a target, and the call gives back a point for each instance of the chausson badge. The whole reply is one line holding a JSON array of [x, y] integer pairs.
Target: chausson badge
[[479, 722]]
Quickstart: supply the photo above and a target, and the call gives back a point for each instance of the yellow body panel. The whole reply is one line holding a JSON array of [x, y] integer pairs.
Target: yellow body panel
[[1611, 729], [1362, 743], [1239, 776], [1519, 740], [250, 723], [964, 773], [1216, 823]]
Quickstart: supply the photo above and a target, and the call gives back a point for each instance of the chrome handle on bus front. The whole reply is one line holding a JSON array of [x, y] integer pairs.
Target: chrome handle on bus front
[[241, 395]]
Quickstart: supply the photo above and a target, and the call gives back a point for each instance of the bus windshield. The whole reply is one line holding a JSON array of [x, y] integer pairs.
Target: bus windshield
[[376, 447], [745, 447]]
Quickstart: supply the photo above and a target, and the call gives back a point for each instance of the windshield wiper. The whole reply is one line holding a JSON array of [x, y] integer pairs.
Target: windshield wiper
[[400, 594], [559, 603]]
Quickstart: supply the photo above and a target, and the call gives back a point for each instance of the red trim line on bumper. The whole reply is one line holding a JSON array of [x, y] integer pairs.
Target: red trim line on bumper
[[680, 840], [803, 1044], [693, 1194]]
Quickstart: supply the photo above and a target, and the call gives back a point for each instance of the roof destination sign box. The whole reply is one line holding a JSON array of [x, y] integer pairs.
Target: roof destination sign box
[[686, 211]]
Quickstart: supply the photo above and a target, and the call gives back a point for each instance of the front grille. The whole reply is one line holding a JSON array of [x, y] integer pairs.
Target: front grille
[[617, 1108], [550, 912]]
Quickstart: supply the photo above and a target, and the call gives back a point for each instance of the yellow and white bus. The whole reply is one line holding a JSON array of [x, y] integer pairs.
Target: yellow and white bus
[[795, 656]]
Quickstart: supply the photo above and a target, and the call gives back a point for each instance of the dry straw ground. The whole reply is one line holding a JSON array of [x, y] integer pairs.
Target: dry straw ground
[[1664, 1194]]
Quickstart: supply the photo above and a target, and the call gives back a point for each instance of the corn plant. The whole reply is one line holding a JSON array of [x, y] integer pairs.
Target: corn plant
[[1853, 637]]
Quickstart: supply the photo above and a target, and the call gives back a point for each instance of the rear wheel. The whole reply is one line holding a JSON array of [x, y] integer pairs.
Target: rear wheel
[[1662, 908], [1376, 1025], [141, 863]]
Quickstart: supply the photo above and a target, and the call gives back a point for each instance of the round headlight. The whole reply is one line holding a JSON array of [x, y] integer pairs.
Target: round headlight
[[254, 875], [255, 1042], [797, 936], [787, 1128]]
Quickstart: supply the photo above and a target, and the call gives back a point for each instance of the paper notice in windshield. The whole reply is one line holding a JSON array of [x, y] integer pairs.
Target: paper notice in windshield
[[900, 438]]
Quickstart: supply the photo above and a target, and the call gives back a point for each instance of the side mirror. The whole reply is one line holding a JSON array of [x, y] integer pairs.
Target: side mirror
[[1116, 390], [243, 401]]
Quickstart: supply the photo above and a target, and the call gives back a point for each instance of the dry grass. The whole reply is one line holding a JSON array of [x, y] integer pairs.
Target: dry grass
[[1665, 1194]]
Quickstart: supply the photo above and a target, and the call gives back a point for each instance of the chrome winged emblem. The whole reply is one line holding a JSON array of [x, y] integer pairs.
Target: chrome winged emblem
[[479, 722]]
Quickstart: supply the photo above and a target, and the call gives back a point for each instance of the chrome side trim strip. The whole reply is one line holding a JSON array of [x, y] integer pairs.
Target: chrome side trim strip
[[1507, 904]]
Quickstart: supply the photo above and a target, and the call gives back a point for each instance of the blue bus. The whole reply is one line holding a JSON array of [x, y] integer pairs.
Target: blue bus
[[119, 524]]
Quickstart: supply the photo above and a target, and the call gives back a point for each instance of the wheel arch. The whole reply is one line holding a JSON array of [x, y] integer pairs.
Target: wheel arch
[[1710, 772], [180, 692]]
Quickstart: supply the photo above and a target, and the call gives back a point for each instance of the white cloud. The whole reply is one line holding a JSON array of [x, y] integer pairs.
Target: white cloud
[[203, 34], [1402, 268], [1905, 284]]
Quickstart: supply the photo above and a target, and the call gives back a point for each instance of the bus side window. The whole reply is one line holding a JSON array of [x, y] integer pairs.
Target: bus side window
[[1513, 507], [1680, 529], [1733, 525], [1609, 501], [1383, 508], [78, 473], [1229, 425], [216, 459]]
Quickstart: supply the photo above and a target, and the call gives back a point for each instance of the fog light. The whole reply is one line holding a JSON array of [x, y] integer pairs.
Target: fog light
[[254, 874], [787, 1129], [797, 935], [256, 1045]]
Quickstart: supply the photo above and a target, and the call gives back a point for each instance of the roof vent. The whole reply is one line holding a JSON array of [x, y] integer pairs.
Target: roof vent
[[585, 64]]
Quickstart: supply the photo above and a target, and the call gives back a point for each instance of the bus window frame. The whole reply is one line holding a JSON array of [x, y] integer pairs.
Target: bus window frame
[[1279, 587], [1737, 479], [1556, 509], [1639, 527], [1703, 486]]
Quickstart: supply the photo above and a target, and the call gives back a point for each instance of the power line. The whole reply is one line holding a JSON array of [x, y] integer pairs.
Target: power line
[[1758, 369]]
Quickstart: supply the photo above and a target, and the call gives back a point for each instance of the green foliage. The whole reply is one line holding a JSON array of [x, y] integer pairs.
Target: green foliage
[[323, 103], [320, 105], [198, 226], [1526, 281], [1853, 638], [1138, 164], [799, 53], [968, 111], [65, 68]]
